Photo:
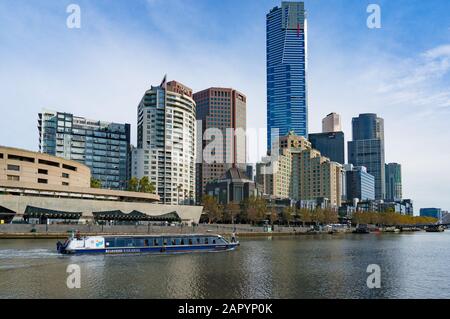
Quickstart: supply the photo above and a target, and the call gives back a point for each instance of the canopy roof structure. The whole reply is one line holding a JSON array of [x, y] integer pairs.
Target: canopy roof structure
[[135, 215], [6, 214], [37, 212]]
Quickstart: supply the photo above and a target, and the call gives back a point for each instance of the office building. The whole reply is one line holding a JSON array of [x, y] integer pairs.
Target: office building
[[431, 212], [331, 123], [367, 149], [331, 145], [224, 110], [359, 184], [287, 101], [166, 142], [393, 172], [102, 146]]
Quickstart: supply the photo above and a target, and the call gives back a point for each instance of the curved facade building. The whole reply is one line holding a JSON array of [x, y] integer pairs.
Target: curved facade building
[[18, 165], [166, 142]]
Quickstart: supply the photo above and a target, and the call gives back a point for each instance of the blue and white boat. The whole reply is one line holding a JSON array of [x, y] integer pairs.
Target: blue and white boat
[[126, 244]]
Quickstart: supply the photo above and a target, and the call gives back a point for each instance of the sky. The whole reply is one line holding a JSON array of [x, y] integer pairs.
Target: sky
[[400, 71]]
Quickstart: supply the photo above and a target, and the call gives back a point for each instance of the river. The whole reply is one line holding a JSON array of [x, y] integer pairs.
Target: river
[[413, 265]]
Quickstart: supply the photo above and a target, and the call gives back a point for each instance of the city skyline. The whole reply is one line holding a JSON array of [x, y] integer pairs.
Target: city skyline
[[97, 95]]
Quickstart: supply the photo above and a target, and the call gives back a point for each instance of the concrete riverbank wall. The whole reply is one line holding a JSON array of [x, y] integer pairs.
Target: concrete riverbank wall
[[62, 231]]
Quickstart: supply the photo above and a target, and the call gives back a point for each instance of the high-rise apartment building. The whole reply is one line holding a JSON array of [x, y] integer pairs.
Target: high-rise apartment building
[[301, 173], [223, 111], [287, 101], [367, 149], [393, 173], [102, 146], [166, 142], [331, 123]]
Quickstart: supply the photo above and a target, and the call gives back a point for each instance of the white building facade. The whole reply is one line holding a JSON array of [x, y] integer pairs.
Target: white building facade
[[166, 142]]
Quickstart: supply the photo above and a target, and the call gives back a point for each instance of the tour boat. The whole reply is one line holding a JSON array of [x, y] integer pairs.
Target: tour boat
[[125, 244]]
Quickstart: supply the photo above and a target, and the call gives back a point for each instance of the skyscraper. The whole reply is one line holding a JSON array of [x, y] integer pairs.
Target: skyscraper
[[287, 104], [224, 109], [166, 142], [102, 146], [331, 123], [393, 182], [330, 144], [367, 149]]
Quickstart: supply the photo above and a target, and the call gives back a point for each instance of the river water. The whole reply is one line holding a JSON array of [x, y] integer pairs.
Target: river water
[[414, 265]]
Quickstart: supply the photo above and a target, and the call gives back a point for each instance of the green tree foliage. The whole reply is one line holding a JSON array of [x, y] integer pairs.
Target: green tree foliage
[[145, 186], [133, 184], [142, 185], [96, 183]]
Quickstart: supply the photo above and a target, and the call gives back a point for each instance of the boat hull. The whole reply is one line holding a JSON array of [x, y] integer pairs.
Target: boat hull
[[153, 250]]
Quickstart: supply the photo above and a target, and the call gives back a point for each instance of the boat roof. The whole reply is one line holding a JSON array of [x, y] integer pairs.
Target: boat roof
[[158, 235]]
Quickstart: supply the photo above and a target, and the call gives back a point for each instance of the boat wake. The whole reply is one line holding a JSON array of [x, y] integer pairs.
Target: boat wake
[[26, 253]]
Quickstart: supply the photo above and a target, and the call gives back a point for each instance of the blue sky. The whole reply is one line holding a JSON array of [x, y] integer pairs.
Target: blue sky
[[401, 71]]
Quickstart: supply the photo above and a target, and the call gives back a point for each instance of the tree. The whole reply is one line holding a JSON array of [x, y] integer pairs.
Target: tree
[[288, 214], [256, 209], [273, 215], [318, 216], [133, 184], [145, 186], [96, 183], [305, 216], [330, 216], [211, 208], [231, 210]]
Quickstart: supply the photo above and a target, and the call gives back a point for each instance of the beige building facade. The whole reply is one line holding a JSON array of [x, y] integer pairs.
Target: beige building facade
[[31, 167], [301, 173], [46, 187]]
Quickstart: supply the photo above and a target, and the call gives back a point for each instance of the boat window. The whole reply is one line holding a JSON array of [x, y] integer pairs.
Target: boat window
[[206, 241], [155, 242], [190, 241], [146, 242], [198, 240], [124, 242], [182, 241], [139, 242], [165, 241], [174, 242], [120, 242], [214, 241], [110, 242]]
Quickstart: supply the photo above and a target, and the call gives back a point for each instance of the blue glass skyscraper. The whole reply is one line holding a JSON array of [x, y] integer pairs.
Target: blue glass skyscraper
[[287, 107]]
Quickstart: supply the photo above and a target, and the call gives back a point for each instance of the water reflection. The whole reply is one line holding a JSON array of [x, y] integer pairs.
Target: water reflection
[[412, 265]]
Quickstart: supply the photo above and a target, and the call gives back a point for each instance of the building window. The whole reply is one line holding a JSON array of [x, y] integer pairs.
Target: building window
[[1, 155], [13, 168], [13, 178], [42, 171], [42, 181], [65, 184], [21, 158], [65, 175], [50, 163], [72, 168]]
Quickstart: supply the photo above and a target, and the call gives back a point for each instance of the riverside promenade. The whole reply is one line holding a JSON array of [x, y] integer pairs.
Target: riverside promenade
[[28, 231]]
